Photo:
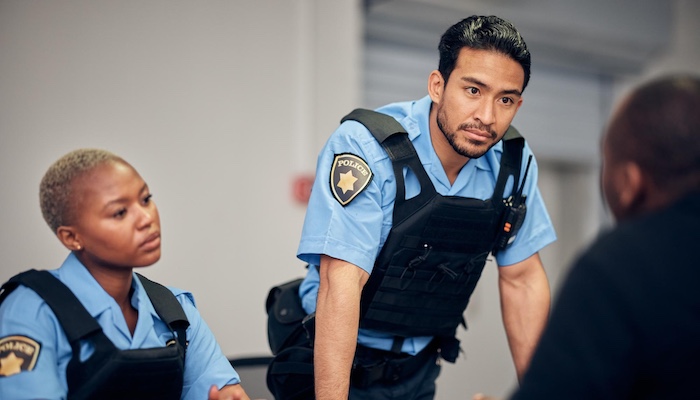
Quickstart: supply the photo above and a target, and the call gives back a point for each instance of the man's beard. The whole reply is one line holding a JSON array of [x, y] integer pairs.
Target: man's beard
[[475, 151]]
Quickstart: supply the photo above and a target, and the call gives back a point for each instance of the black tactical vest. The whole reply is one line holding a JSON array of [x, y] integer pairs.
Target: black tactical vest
[[110, 373], [437, 247]]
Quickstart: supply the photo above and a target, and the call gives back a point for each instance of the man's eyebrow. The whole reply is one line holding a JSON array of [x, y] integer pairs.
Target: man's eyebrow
[[477, 82]]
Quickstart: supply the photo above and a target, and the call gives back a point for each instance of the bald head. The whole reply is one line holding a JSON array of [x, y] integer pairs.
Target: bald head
[[657, 129]]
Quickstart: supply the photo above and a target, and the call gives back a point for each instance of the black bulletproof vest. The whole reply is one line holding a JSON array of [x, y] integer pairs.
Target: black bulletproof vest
[[437, 247], [110, 373]]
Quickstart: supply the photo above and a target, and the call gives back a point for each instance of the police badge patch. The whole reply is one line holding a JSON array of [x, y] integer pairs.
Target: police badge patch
[[17, 354], [350, 175]]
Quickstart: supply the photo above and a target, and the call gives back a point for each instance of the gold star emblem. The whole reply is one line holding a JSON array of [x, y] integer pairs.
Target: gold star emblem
[[350, 175], [347, 182], [10, 365]]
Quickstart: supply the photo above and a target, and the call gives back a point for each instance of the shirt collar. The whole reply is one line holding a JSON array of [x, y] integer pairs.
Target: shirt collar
[[93, 297]]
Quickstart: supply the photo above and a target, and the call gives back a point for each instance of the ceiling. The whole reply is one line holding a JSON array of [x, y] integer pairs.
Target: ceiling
[[594, 35]]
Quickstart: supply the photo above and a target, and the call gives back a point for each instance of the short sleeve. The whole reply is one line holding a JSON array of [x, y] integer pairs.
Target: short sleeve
[[205, 363]]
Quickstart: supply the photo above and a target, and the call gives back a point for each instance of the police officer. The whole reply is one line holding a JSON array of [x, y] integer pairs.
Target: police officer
[[93, 328], [389, 294]]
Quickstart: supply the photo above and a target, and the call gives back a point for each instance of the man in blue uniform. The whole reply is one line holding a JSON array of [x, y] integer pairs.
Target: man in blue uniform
[[456, 132], [101, 210]]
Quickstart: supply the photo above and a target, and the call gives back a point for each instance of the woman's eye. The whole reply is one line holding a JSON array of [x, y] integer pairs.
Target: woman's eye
[[147, 199], [120, 214]]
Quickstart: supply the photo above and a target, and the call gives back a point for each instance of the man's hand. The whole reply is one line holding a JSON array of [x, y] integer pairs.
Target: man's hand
[[481, 396], [228, 392]]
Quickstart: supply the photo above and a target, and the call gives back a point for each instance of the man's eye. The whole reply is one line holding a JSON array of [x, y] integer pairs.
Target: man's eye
[[472, 90]]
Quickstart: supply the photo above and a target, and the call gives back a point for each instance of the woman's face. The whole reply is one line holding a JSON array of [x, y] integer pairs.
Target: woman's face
[[117, 224]]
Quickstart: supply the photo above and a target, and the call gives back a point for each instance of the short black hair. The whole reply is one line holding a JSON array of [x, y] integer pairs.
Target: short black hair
[[483, 33], [658, 127]]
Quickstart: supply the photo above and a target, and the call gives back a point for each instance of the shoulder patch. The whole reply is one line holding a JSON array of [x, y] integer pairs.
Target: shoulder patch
[[350, 175], [17, 354]]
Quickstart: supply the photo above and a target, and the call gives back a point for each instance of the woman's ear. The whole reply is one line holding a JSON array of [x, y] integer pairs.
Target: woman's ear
[[436, 86], [69, 237]]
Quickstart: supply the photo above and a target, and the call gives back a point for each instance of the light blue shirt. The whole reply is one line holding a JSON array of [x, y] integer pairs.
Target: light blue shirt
[[24, 313], [356, 232]]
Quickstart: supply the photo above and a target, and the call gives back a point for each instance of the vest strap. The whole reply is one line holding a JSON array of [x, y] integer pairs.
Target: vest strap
[[77, 323], [394, 139], [75, 320]]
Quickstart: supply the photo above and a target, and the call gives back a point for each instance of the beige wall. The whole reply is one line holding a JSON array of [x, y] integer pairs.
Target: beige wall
[[219, 105]]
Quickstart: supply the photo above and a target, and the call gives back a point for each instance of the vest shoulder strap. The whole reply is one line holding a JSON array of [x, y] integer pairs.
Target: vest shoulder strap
[[511, 160], [165, 303], [381, 125], [76, 321], [388, 132], [394, 139]]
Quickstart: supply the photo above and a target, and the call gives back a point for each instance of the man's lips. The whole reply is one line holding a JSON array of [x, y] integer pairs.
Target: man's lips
[[479, 135]]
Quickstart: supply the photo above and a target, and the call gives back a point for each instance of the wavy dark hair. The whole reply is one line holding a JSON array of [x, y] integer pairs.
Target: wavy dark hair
[[483, 33]]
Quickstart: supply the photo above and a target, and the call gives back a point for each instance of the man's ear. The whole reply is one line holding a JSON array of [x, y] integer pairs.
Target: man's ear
[[632, 187], [436, 86], [69, 237]]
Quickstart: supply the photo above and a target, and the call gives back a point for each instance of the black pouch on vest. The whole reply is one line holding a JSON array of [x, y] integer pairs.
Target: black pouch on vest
[[111, 374], [290, 375], [284, 317], [290, 335]]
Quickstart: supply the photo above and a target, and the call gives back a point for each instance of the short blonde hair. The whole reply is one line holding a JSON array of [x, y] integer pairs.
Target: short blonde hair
[[56, 187]]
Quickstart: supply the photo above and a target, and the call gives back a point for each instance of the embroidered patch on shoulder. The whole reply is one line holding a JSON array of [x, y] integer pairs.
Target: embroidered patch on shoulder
[[350, 175], [17, 354]]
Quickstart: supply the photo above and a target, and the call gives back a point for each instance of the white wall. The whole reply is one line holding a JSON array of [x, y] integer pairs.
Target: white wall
[[219, 105]]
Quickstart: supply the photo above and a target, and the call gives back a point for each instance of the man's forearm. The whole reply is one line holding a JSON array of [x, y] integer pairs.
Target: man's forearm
[[525, 302], [337, 322]]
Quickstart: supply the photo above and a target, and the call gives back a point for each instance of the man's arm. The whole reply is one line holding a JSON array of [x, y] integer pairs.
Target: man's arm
[[337, 323], [525, 299]]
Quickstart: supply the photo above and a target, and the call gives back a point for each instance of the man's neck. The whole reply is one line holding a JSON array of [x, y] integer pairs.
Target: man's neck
[[452, 162]]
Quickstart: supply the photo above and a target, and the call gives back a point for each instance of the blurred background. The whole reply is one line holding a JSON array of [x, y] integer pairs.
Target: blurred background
[[222, 107]]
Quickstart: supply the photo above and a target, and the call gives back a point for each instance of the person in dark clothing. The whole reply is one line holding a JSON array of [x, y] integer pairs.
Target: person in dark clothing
[[627, 320]]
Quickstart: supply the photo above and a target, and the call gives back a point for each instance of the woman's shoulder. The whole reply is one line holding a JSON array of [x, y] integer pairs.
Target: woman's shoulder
[[22, 301]]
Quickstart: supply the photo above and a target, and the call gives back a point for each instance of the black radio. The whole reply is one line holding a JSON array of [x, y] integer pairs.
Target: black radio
[[513, 215]]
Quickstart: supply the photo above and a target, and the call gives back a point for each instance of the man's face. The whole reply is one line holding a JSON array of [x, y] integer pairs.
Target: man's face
[[480, 100], [617, 175], [619, 182], [116, 222]]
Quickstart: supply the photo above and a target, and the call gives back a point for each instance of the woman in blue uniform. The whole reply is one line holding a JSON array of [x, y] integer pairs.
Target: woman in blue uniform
[[101, 210]]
